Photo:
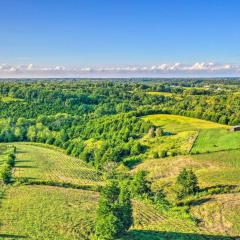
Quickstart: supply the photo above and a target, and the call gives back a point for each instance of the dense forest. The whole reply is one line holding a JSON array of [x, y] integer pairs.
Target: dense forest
[[100, 121]]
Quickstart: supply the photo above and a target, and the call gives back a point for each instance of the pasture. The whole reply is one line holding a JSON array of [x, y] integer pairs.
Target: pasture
[[211, 140]]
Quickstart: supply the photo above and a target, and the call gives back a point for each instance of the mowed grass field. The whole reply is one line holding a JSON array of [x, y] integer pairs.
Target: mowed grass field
[[221, 213], [37, 162], [211, 140], [44, 212]]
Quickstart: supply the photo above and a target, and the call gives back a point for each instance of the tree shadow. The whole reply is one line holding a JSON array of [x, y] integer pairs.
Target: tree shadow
[[24, 166], [12, 236], [199, 201], [23, 161], [155, 235]]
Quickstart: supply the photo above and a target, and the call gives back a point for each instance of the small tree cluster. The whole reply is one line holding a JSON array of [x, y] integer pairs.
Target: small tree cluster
[[187, 183], [155, 133], [114, 214]]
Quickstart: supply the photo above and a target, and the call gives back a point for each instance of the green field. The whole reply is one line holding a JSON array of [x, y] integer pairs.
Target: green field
[[210, 140], [38, 163], [10, 99], [42, 212], [221, 167], [166, 94], [210, 136]]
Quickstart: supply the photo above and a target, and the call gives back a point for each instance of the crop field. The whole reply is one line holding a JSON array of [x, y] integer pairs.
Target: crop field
[[210, 140], [41, 163], [43, 212], [175, 123]]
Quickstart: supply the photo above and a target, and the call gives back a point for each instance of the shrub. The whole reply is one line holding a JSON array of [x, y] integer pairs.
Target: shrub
[[6, 173], [11, 159], [160, 198], [163, 154]]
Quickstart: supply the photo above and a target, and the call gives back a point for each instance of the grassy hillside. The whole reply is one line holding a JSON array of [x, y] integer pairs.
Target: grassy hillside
[[176, 123], [220, 214], [42, 163]]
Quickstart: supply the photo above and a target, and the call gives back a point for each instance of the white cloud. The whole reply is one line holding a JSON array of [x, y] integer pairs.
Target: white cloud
[[198, 68]]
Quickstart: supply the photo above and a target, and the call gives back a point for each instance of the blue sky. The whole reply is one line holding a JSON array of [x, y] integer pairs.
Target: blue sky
[[76, 35]]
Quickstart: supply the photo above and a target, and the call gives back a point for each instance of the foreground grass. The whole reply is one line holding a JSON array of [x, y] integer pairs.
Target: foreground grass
[[158, 235], [36, 162], [40, 212]]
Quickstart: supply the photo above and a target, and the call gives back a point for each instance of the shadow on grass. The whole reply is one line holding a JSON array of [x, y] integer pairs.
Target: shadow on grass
[[199, 201], [24, 166], [11, 236], [155, 235], [23, 161]]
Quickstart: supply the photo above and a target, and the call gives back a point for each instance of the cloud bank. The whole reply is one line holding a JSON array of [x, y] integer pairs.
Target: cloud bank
[[158, 70]]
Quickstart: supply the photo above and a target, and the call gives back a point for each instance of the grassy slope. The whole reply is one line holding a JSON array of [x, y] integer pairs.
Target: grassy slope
[[218, 168], [220, 214], [211, 136], [175, 123], [217, 214], [45, 212], [38, 163]]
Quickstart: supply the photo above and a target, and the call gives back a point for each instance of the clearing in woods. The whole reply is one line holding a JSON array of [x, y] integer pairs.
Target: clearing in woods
[[176, 123]]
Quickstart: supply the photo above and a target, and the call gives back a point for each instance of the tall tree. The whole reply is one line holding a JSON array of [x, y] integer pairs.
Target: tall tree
[[114, 214]]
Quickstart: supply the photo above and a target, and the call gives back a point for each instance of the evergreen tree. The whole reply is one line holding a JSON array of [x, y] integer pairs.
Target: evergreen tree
[[187, 183], [114, 214], [140, 185]]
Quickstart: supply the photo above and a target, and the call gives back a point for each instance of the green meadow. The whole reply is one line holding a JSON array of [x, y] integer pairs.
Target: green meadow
[[211, 140], [176, 123]]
